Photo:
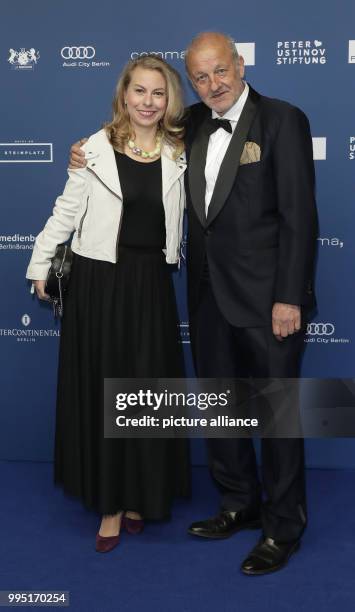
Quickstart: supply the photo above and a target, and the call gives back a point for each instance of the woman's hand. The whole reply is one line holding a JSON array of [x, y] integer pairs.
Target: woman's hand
[[39, 286]]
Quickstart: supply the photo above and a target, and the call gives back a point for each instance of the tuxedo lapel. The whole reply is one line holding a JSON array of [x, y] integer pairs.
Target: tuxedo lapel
[[197, 180], [230, 163]]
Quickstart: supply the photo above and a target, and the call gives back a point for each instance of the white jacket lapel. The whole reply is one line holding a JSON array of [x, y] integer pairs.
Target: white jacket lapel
[[102, 161], [171, 169]]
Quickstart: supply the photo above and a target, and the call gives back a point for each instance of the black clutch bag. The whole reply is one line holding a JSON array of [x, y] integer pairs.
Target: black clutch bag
[[58, 277]]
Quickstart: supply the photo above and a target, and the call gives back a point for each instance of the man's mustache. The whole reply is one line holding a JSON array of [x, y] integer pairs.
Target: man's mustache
[[218, 93]]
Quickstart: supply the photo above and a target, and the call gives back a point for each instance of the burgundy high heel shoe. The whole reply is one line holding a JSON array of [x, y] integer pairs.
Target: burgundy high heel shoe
[[133, 526], [107, 543]]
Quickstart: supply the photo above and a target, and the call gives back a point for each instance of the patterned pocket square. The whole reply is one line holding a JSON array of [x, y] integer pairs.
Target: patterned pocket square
[[251, 153]]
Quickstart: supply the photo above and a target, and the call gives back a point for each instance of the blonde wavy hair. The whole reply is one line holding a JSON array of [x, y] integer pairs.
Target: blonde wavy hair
[[119, 130]]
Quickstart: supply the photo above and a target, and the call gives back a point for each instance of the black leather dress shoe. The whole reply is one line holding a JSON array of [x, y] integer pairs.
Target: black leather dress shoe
[[225, 524], [268, 556]]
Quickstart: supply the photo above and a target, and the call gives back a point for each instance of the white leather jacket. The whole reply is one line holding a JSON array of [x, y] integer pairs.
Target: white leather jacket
[[91, 207]]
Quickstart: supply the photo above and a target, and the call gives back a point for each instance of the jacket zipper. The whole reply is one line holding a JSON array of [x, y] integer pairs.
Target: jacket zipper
[[62, 264], [120, 222], [83, 218]]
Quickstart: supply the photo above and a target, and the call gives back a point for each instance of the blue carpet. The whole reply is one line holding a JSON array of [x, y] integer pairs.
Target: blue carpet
[[48, 544]]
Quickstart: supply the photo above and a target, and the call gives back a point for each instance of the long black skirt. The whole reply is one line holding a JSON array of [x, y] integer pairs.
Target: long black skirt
[[120, 320]]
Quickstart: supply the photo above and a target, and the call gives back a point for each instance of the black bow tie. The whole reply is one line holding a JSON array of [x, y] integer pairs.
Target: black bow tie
[[212, 125]]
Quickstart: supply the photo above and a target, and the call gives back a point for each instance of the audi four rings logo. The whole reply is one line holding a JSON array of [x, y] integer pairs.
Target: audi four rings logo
[[78, 52], [320, 329]]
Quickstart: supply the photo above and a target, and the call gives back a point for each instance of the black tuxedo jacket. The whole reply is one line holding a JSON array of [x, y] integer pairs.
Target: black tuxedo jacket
[[259, 237]]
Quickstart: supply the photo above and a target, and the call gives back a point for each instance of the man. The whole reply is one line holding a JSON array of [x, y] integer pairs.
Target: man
[[251, 250]]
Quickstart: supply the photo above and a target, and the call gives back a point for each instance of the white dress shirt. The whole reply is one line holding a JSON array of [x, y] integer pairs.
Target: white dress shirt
[[218, 144]]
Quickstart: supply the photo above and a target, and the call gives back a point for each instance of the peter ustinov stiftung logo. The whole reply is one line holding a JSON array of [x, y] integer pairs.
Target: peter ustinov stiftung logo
[[81, 56], [26, 320], [351, 52], [319, 148], [24, 59], [352, 147], [306, 52]]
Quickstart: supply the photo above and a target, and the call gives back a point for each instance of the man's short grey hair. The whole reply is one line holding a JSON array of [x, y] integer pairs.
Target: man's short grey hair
[[199, 37]]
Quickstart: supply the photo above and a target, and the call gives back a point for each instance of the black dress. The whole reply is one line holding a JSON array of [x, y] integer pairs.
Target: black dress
[[120, 320]]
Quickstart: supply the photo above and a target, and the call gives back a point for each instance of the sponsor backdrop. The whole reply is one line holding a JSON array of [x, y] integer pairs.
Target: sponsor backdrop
[[59, 63]]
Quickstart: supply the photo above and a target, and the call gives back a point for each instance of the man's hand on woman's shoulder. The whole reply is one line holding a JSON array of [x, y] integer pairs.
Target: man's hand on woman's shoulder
[[77, 155]]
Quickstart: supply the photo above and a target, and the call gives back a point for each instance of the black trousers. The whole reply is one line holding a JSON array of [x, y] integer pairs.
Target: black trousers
[[222, 350]]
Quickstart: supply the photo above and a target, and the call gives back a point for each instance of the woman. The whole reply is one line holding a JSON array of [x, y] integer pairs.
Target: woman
[[126, 210]]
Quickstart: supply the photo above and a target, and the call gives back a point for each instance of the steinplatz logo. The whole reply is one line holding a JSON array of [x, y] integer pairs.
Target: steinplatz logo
[[351, 59], [323, 333], [319, 148], [23, 59], [81, 56], [20, 152], [306, 52]]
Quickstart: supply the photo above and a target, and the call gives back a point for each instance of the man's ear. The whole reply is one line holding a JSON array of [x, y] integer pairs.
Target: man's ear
[[241, 66]]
